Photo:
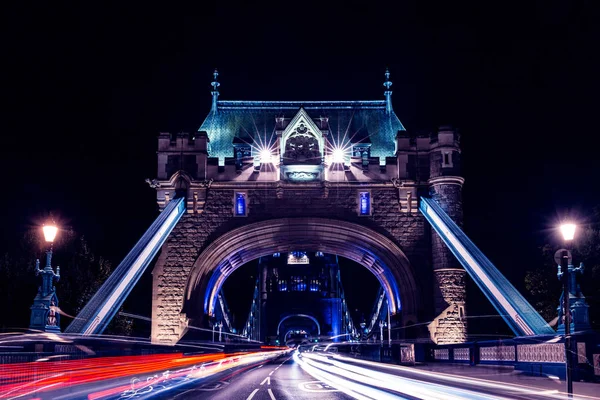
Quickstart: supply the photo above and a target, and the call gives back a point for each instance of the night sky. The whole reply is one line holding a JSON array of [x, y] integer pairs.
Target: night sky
[[88, 88]]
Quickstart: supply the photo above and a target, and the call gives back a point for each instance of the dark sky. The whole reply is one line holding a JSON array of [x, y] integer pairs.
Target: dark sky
[[87, 88]]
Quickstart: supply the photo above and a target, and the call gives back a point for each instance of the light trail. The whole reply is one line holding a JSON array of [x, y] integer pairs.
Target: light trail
[[23, 379], [347, 374]]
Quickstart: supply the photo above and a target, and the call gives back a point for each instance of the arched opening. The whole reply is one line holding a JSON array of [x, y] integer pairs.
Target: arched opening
[[362, 245], [310, 317]]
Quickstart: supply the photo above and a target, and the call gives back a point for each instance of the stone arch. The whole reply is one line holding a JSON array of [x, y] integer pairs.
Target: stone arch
[[371, 249], [301, 316]]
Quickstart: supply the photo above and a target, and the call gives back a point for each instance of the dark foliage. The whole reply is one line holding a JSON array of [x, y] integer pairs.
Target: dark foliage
[[82, 273]]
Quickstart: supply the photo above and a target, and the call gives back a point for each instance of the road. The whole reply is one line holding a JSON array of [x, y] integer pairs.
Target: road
[[279, 374], [274, 380]]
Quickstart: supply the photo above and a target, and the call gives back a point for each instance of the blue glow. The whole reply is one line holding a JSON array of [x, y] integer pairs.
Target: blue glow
[[282, 286], [520, 316], [365, 203], [240, 203], [314, 285]]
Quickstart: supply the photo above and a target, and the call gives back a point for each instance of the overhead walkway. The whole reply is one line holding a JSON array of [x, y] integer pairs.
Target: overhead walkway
[[522, 318], [98, 312]]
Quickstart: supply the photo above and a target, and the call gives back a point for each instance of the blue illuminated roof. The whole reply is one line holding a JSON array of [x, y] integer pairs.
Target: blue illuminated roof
[[365, 121]]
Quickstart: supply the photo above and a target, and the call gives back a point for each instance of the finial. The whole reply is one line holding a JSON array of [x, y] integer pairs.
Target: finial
[[388, 92], [387, 82], [215, 92], [215, 84]]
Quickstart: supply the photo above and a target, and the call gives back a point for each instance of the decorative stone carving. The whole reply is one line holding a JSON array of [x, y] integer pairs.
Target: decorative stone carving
[[154, 183], [302, 176], [279, 190], [302, 147], [326, 189]]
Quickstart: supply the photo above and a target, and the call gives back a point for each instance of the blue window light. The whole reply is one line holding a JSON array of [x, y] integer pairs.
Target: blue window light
[[240, 204], [365, 203]]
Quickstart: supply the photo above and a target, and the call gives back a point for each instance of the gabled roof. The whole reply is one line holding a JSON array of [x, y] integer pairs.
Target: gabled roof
[[357, 121]]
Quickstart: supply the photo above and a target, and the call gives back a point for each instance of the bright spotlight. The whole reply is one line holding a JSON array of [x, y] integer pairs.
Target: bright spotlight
[[338, 155], [265, 156], [568, 231]]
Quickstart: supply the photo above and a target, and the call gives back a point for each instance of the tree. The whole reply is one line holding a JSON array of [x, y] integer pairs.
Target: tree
[[543, 285], [82, 273]]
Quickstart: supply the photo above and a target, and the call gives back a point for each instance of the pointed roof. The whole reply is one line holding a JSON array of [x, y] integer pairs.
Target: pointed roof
[[358, 121]]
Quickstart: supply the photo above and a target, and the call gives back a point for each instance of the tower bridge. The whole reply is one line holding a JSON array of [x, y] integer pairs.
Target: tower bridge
[[338, 178]]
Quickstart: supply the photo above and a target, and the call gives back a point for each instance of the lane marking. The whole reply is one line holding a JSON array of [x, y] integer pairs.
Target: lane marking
[[267, 379], [260, 366], [271, 373], [316, 387], [252, 394], [271, 394]]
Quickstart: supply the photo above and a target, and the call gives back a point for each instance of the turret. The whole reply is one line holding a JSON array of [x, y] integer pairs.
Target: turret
[[445, 187]]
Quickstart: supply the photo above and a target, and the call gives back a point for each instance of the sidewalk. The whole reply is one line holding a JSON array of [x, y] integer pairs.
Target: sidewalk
[[507, 374]]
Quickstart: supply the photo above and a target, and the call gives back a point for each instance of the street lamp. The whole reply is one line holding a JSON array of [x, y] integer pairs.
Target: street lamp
[[363, 325], [381, 326], [568, 233], [43, 311], [220, 326]]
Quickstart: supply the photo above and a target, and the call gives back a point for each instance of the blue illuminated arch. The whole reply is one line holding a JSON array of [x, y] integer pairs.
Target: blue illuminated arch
[[363, 245]]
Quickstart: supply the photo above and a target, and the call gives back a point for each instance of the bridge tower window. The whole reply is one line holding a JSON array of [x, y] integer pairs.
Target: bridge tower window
[[364, 203], [314, 285], [282, 285], [240, 208], [298, 283]]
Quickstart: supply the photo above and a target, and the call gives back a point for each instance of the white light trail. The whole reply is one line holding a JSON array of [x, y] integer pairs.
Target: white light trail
[[496, 293]]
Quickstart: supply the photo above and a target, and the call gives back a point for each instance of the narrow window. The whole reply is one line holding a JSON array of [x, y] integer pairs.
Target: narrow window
[[447, 160], [240, 204], [364, 203], [282, 285], [314, 285]]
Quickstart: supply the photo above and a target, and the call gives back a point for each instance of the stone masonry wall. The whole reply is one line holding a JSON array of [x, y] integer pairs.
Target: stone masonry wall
[[195, 231], [451, 325]]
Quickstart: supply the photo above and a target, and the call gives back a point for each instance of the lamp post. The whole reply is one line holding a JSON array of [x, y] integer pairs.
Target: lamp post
[[568, 233], [362, 330], [381, 326], [220, 326], [43, 311]]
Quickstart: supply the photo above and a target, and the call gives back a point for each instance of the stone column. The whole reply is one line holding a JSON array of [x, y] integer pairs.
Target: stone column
[[445, 187]]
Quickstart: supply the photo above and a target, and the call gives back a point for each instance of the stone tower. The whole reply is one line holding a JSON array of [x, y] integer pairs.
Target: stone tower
[[445, 186]]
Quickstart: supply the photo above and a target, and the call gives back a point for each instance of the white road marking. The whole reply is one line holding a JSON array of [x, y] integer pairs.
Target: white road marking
[[316, 387], [252, 394], [271, 394], [271, 373], [267, 379]]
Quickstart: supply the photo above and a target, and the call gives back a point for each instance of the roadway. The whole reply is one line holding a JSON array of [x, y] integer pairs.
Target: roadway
[[273, 380], [277, 375]]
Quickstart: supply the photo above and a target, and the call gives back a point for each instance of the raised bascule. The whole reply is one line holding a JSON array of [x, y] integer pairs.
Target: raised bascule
[[341, 178]]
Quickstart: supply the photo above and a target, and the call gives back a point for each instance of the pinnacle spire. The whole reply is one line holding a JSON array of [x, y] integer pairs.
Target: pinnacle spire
[[215, 91], [388, 91]]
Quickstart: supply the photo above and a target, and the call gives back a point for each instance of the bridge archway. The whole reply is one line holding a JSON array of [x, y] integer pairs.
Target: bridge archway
[[374, 251], [299, 316]]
